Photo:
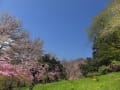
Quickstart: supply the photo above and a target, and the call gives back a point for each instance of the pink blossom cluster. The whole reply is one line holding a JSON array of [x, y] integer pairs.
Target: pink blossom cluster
[[14, 71], [38, 74], [43, 74], [7, 70]]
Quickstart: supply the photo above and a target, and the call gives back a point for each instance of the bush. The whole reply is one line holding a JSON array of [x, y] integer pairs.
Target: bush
[[3, 85], [104, 69], [7, 83], [49, 69], [115, 66], [89, 68]]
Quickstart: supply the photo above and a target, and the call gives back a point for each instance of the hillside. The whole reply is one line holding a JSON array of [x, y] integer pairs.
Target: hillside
[[104, 82]]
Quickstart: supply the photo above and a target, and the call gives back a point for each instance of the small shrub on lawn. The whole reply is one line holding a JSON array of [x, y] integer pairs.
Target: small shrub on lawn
[[115, 66], [104, 69]]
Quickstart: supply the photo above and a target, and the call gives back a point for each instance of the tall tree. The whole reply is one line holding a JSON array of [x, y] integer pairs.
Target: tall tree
[[72, 68], [15, 42], [101, 21], [105, 33]]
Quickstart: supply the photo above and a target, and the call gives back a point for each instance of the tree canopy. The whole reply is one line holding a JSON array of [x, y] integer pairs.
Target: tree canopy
[[105, 36]]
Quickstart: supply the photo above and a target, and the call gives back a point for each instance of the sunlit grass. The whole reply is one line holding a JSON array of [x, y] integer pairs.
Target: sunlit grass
[[104, 82]]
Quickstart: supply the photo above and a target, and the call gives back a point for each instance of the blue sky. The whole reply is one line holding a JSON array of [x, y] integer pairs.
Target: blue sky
[[61, 24]]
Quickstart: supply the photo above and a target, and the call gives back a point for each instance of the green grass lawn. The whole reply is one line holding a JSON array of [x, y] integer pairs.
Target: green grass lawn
[[104, 82]]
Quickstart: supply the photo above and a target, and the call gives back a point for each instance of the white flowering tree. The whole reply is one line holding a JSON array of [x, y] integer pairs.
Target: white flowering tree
[[15, 42]]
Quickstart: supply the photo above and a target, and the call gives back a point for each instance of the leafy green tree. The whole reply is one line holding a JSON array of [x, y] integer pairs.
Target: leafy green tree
[[105, 34], [103, 21], [89, 67], [107, 49]]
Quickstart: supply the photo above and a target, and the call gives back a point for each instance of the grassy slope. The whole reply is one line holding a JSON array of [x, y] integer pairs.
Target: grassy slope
[[105, 82]]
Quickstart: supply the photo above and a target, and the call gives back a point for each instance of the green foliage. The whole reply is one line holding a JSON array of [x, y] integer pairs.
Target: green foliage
[[2, 81], [53, 65], [105, 34], [108, 48], [104, 69], [105, 18], [89, 68], [115, 65], [7, 83]]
